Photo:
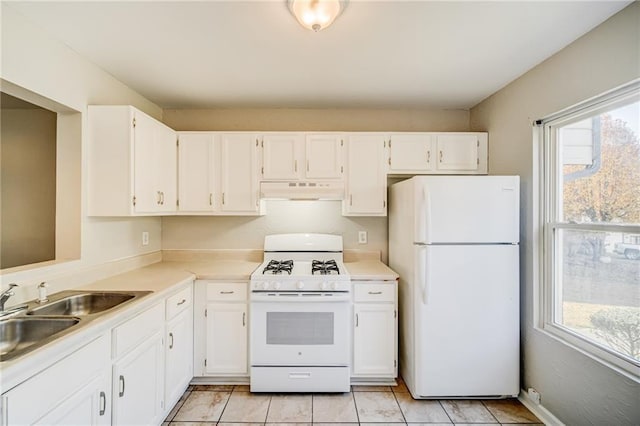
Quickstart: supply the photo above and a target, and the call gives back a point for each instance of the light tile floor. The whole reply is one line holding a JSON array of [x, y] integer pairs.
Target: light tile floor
[[229, 405]]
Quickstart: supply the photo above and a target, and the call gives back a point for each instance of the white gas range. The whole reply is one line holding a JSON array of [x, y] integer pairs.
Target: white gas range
[[300, 316]]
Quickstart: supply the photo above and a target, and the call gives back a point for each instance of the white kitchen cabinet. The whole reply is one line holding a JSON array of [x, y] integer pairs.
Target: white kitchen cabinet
[[221, 329], [282, 156], [294, 156], [411, 153], [132, 166], [438, 153], [198, 173], [75, 390], [138, 370], [375, 328], [366, 170], [179, 345], [239, 174]]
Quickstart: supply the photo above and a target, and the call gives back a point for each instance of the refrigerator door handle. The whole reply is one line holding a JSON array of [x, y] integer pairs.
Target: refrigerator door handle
[[423, 271], [423, 216]]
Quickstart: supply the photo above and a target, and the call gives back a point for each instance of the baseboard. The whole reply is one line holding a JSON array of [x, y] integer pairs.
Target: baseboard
[[539, 410]]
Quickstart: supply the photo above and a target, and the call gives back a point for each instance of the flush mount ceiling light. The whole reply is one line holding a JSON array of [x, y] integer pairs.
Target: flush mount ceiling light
[[316, 15]]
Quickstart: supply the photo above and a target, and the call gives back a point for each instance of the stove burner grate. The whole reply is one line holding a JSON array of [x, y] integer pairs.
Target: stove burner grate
[[326, 267], [278, 266]]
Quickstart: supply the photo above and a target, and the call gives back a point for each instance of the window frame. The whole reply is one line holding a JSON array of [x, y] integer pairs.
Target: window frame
[[550, 224]]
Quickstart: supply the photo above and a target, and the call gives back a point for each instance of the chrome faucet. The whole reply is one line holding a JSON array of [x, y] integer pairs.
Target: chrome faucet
[[5, 295]]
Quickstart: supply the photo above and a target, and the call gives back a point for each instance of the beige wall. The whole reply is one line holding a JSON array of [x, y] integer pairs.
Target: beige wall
[[28, 183], [296, 216], [284, 119], [44, 71], [282, 217], [577, 389]]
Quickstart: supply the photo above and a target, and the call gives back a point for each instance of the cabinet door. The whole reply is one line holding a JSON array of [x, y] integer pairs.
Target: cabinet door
[[88, 406], [226, 338], [145, 166], [410, 153], [178, 356], [138, 385], [239, 173], [458, 152], [196, 171], [167, 167], [282, 156], [366, 176], [323, 156], [374, 339]]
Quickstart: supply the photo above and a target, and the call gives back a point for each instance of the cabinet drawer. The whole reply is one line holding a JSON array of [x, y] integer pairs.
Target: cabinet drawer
[[137, 329], [179, 302], [374, 292], [227, 291]]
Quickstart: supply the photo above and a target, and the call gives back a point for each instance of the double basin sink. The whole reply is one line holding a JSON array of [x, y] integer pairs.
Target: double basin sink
[[30, 326]]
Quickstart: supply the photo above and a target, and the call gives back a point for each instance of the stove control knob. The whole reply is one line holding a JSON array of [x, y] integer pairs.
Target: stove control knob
[[265, 285], [300, 285], [324, 285], [276, 285], [334, 285]]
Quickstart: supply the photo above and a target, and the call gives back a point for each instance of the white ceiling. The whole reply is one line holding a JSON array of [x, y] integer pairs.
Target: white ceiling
[[378, 54]]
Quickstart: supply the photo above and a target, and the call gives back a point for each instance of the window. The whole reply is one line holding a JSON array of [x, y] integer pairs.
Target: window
[[591, 229]]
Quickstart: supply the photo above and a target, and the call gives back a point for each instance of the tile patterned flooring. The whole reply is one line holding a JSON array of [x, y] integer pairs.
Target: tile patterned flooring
[[229, 405]]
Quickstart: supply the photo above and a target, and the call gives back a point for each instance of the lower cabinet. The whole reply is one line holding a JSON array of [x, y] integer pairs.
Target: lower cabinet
[[375, 330], [138, 369], [75, 390], [179, 345], [221, 323]]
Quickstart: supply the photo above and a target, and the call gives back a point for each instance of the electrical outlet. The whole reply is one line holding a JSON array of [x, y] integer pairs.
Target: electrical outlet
[[362, 237], [145, 238], [534, 395]]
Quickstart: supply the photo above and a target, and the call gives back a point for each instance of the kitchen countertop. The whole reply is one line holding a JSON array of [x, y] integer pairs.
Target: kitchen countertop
[[162, 278]]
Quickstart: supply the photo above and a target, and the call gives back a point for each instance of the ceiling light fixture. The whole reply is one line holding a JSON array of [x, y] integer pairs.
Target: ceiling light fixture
[[316, 15]]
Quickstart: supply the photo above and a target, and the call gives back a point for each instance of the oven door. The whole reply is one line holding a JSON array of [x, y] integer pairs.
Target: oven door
[[300, 329]]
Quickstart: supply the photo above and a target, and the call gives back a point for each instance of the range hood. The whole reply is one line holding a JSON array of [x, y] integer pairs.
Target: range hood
[[302, 190]]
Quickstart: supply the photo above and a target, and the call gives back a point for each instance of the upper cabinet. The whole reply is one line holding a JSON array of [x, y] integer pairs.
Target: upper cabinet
[[438, 153], [366, 176], [132, 163], [238, 170], [293, 156], [198, 173]]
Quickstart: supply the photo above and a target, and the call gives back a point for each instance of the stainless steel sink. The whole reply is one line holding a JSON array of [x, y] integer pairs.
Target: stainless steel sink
[[21, 335], [83, 304], [33, 325]]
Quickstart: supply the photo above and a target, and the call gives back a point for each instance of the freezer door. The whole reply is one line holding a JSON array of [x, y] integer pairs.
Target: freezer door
[[466, 209], [467, 321]]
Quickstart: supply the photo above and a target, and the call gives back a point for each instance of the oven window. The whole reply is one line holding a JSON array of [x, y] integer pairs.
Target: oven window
[[300, 328]]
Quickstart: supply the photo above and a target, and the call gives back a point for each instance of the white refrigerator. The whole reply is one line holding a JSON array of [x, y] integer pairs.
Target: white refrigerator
[[454, 242]]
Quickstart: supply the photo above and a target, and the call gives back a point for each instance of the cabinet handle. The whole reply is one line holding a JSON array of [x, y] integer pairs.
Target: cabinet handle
[[103, 403], [162, 197], [375, 292], [210, 199], [356, 320], [244, 316], [227, 292], [171, 337], [441, 156], [182, 302], [121, 393], [307, 165], [158, 197], [295, 166], [223, 198], [350, 199], [428, 157]]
